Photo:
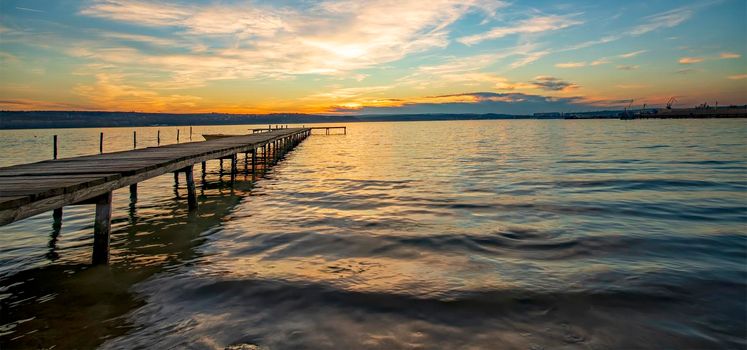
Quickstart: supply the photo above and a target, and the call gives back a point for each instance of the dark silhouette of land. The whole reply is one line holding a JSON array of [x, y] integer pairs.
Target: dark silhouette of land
[[99, 119]]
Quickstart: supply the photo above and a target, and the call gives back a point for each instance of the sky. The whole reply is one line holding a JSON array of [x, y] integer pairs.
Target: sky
[[370, 57]]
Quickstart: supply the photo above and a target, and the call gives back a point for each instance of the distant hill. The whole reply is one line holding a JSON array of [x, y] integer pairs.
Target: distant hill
[[85, 119]]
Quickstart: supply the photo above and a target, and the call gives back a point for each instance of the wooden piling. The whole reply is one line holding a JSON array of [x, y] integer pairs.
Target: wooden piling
[[177, 135], [54, 147], [101, 143], [102, 229], [134, 140], [133, 192], [191, 194], [254, 163], [234, 167], [158, 137], [57, 216]]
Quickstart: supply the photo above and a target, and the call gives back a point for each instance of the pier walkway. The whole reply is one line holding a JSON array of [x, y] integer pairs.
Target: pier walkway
[[30, 189]]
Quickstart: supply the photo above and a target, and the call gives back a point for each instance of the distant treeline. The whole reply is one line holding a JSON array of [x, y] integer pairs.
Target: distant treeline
[[86, 119]]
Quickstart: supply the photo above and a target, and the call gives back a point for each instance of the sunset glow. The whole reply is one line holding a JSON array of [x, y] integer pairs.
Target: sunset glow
[[368, 57]]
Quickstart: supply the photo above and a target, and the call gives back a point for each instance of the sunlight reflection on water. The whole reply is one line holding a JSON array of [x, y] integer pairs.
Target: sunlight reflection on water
[[529, 234]]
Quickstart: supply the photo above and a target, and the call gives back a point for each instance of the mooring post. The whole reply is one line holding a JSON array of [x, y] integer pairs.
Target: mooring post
[[220, 174], [191, 194], [177, 135], [101, 143], [134, 139], [133, 192], [190, 132], [102, 228], [158, 137], [57, 216], [54, 147], [176, 178]]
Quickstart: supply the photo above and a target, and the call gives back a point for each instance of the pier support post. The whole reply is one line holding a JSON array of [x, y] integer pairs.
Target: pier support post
[[102, 229], [176, 178], [234, 167], [246, 163], [254, 163], [264, 158], [133, 192], [191, 193], [57, 217]]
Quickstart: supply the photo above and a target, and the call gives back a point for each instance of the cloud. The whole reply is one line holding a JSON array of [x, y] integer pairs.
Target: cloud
[[477, 102], [28, 9], [737, 77], [666, 19], [139, 12], [110, 92], [627, 67], [729, 55], [632, 86], [22, 104], [529, 58], [632, 54], [687, 71], [231, 40], [571, 65], [528, 26], [552, 84], [690, 60], [600, 61], [651, 23]]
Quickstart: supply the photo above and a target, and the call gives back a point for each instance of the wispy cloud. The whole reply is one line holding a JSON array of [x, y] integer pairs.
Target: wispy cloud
[[729, 55], [666, 19], [600, 61], [632, 54], [553, 84], [627, 67], [528, 26], [332, 37], [571, 65], [737, 77], [28, 9], [690, 60], [110, 92]]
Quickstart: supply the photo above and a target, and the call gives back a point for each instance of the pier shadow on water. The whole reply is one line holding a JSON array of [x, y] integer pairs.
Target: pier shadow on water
[[72, 304]]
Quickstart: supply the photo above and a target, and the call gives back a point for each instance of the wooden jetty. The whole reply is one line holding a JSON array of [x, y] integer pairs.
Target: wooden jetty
[[325, 128], [30, 189]]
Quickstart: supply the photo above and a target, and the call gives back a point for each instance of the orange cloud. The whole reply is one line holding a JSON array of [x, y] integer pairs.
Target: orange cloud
[[691, 60]]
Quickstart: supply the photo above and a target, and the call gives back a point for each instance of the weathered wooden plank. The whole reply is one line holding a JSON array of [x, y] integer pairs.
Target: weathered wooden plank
[[29, 189]]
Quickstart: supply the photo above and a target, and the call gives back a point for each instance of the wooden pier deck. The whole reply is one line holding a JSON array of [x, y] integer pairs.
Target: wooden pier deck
[[30, 189]]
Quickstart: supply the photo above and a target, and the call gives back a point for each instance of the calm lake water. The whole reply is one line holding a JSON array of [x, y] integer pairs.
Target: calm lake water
[[468, 234]]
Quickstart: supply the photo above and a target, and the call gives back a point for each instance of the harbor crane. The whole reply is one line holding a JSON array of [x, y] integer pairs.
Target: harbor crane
[[670, 102]]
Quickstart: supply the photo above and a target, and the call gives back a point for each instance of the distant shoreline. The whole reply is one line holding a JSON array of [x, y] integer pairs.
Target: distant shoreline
[[19, 120]]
